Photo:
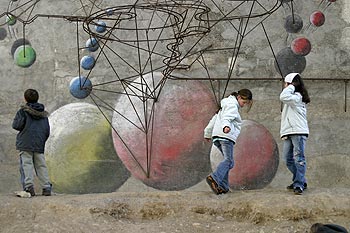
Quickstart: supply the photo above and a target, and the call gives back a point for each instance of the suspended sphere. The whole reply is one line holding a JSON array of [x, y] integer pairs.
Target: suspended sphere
[[87, 62], [80, 87], [301, 46], [100, 27], [317, 18], [24, 56], [92, 44]]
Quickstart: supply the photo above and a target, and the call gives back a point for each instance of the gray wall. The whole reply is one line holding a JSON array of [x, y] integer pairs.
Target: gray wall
[[327, 148]]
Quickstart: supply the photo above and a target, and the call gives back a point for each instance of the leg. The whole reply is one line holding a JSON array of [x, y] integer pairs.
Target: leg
[[221, 173], [28, 171], [28, 168], [300, 161], [41, 170], [288, 156], [21, 172]]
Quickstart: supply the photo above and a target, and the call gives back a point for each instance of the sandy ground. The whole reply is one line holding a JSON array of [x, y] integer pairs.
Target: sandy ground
[[266, 210]]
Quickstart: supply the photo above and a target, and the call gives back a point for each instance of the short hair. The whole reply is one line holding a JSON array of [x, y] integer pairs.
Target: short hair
[[31, 96]]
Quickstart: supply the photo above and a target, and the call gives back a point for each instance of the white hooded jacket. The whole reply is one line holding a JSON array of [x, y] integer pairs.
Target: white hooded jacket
[[293, 119], [227, 116]]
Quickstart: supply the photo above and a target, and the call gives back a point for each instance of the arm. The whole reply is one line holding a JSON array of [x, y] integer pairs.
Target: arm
[[19, 121], [288, 95], [229, 114], [209, 129]]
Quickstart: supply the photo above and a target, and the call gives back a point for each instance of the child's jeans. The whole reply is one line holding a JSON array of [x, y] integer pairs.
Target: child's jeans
[[293, 153], [221, 173]]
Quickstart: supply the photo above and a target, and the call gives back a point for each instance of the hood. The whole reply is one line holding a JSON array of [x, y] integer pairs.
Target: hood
[[289, 78], [36, 110]]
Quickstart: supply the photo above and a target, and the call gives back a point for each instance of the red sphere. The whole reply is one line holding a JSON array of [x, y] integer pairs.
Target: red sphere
[[256, 157], [172, 153], [332, 0], [301, 46], [317, 18]]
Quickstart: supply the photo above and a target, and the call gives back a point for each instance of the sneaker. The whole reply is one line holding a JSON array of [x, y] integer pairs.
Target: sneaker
[[291, 186], [47, 191], [30, 190], [212, 184], [298, 191], [222, 191]]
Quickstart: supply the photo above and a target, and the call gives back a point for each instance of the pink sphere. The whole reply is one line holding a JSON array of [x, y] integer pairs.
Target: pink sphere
[[256, 157], [301, 46], [172, 154], [317, 18]]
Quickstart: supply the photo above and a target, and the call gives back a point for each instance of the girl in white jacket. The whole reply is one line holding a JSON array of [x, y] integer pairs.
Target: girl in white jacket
[[294, 129], [223, 129]]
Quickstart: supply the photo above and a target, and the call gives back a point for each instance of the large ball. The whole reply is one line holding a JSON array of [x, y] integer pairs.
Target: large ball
[[256, 157], [80, 153], [165, 148], [288, 62], [80, 87], [24, 56]]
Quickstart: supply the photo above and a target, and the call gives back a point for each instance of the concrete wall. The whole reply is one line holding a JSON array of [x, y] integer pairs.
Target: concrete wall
[[54, 40]]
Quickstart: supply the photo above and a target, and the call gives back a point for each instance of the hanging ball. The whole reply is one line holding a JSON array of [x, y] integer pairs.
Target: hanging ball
[[332, 0], [80, 87], [100, 27], [109, 11], [301, 46], [317, 18], [24, 56], [87, 62], [18, 43], [92, 44], [3, 33], [288, 62], [293, 23], [11, 20]]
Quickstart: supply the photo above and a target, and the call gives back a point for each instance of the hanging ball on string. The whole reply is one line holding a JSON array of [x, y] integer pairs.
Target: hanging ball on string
[[11, 20], [80, 87], [87, 62], [100, 27], [92, 44], [293, 23], [317, 18], [24, 56], [301, 46]]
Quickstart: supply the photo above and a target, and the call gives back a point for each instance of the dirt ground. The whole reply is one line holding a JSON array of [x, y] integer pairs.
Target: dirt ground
[[266, 210]]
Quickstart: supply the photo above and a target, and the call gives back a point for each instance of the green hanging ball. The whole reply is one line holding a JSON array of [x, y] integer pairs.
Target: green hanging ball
[[11, 20], [24, 56]]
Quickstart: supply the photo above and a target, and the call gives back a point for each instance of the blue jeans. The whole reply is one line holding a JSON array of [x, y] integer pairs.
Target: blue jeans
[[293, 153], [221, 173]]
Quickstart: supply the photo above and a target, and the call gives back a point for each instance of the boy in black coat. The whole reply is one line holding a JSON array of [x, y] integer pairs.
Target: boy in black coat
[[32, 122]]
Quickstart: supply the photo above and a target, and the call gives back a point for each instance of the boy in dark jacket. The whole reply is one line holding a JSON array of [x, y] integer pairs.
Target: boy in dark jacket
[[32, 122]]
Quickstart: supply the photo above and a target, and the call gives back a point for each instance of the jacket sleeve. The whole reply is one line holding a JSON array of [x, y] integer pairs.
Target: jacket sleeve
[[208, 131], [288, 95], [229, 114], [19, 121]]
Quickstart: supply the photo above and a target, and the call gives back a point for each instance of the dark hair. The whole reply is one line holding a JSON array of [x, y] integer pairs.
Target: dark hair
[[245, 94], [31, 96], [300, 87]]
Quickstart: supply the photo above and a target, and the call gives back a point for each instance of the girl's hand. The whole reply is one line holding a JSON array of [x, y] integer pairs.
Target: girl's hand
[[227, 129]]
